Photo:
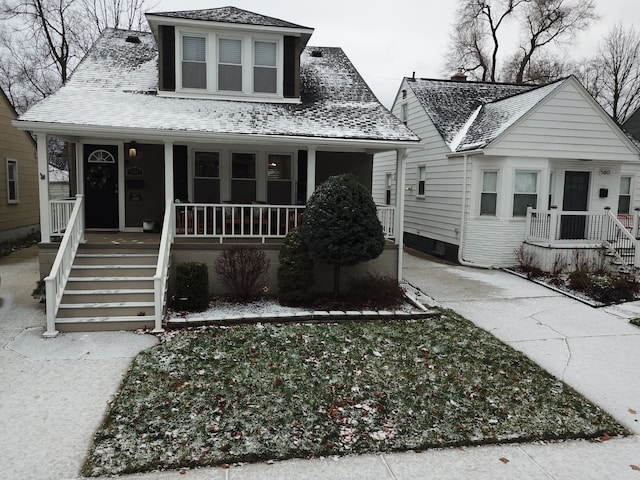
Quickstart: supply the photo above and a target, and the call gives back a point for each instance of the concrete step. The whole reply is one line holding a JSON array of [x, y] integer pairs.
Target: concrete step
[[109, 283], [113, 270], [105, 309], [116, 259], [105, 323], [108, 295]]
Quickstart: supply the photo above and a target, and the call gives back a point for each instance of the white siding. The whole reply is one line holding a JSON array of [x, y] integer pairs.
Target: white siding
[[566, 125]]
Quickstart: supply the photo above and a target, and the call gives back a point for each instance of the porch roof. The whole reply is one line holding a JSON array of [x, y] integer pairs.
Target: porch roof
[[115, 88]]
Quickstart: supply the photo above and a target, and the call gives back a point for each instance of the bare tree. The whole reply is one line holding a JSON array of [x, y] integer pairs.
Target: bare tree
[[42, 41], [476, 42], [543, 68], [613, 75], [550, 21]]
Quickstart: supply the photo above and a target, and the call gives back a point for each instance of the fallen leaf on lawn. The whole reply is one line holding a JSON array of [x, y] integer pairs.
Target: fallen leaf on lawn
[[605, 437], [504, 460], [635, 467], [632, 411]]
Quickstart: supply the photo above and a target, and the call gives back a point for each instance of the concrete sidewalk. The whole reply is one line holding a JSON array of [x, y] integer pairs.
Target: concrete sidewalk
[[55, 392]]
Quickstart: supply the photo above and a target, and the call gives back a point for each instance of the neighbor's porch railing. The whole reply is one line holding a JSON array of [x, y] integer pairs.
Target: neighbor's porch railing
[[162, 269], [57, 279], [60, 214], [560, 228], [259, 221]]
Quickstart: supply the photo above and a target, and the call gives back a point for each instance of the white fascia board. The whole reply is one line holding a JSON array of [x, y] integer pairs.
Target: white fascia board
[[161, 136]]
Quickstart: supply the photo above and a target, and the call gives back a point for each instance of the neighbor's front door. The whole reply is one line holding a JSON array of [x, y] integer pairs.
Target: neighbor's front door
[[101, 186], [575, 199]]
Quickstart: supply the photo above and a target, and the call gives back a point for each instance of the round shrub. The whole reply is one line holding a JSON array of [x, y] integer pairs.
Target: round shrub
[[192, 286]]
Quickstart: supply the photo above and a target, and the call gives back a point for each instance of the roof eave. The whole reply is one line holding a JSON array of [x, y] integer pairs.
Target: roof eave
[[155, 135]]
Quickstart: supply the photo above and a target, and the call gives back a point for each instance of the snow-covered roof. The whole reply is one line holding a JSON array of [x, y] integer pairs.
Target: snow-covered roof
[[228, 15], [115, 87], [470, 115]]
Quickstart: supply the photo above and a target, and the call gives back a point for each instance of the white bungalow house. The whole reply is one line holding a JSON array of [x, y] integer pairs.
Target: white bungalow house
[[212, 129], [508, 165]]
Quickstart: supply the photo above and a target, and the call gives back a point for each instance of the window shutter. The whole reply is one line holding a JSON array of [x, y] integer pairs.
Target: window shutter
[[291, 69], [167, 61]]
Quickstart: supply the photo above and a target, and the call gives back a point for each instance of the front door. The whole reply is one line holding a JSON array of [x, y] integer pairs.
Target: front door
[[575, 199], [101, 186]]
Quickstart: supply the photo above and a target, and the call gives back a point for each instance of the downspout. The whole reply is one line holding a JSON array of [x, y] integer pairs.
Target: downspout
[[461, 260]]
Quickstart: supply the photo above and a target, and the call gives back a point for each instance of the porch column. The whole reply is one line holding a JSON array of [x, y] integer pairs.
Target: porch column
[[311, 171], [401, 157], [168, 172], [43, 188]]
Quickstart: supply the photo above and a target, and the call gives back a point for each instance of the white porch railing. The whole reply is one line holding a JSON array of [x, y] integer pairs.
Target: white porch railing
[[56, 281], [386, 215], [560, 228], [162, 269], [205, 220], [60, 214]]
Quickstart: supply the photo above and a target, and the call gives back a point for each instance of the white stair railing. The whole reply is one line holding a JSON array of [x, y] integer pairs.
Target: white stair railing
[[162, 270], [56, 281]]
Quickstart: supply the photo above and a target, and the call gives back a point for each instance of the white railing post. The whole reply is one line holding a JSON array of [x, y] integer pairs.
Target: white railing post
[[553, 223], [528, 220], [605, 225], [636, 212]]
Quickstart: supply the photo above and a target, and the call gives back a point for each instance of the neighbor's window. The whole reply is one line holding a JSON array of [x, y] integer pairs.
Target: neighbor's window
[[243, 177], [422, 180], [230, 64], [489, 194], [404, 113], [624, 200], [525, 193], [265, 67], [388, 185], [12, 181], [194, 62]]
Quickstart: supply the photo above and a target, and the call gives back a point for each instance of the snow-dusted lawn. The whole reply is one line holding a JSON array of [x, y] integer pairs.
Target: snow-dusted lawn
[[256, 392]]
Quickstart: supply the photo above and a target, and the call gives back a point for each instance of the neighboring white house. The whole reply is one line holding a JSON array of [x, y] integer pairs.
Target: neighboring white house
[[492, 150], [58, 183], [215, 126]]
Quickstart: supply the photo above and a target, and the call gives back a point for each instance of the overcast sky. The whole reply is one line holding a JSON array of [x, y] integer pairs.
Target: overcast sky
[[390, 39]]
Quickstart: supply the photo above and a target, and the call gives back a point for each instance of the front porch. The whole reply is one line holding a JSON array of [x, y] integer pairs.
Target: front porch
[[556, 236], [121, 280]]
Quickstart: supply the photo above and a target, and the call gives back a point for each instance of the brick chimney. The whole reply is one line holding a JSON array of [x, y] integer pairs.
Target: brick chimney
[[459, 76]]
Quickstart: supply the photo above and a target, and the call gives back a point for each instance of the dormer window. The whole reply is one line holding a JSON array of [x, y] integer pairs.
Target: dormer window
[[265, 67], [230, 64], [194, 62]]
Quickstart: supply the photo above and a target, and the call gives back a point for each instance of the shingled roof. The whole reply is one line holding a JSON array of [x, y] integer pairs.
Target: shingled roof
[[115, 86], [470, 115], [229, 15]]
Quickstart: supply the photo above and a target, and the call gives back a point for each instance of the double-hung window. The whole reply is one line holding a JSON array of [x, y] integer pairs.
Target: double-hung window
[[206, 182], [265, 67], [422, 180], [387, 189], [12, 181], [489, 194], [624, 199], [230, 64], [525, 193], [279, 179], [194, 62]]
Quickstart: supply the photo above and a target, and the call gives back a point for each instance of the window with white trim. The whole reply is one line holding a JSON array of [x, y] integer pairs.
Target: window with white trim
[[279, 178], [422, 180], [243, 177], [12, 181], [624, 198], [194, 62], [206, 182], [404, 113], [230, 64], [388, 185], [525, 193], [265, 67], [489, 193]]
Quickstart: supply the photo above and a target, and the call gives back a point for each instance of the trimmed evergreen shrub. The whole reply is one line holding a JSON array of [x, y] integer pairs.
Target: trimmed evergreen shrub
[[295, 273], [192, 286], [341, 226], [376, 292], [241, 268]]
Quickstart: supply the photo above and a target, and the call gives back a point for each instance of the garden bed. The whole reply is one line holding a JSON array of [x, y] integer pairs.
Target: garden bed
[[221, 395]]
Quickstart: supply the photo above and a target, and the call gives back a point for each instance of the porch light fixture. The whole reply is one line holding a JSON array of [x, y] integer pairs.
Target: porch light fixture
[[133, 150]]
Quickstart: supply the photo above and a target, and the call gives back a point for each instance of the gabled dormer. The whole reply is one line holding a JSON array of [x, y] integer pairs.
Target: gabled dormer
[[228, 53]]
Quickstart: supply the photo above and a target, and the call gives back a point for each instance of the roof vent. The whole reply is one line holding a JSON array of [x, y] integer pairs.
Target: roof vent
[[133, 39], [316, 53]]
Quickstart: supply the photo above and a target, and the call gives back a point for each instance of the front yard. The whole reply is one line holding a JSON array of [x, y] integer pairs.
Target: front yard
[[220, 395]]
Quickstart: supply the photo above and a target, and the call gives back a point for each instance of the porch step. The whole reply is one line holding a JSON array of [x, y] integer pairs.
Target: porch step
[[113, 270], [84, 324], [108, 295], [105, 309], [108, 258], [108, 283]]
